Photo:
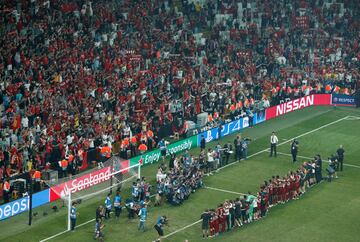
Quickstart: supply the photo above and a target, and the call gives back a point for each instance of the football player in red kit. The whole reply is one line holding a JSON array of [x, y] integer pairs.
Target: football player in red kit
[[222, 218], [214, 224]]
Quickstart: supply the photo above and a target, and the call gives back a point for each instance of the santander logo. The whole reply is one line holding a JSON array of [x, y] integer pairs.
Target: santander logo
[[294, 105], [83, 182]]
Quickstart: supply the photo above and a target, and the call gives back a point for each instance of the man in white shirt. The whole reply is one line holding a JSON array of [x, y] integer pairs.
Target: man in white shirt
[[25, 122], [273, 142], [127, 131], [69, 139], [266, 103], [210, 161]]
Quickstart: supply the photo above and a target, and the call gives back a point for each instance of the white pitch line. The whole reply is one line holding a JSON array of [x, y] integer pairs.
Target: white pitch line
[[183, 228], [54, 236], [300, 156], [309, 158], [314, 130], [353, 117], [223, 190], [289, 140], [252, 155], [63, 232]]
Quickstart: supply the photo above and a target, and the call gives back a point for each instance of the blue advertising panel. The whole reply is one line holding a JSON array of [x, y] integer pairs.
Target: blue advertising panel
[[259, 117], [41, 198], [231, 127], [21, 205], [228, 128], [209, 135], [13, 208], [245, 123], [343, 100]]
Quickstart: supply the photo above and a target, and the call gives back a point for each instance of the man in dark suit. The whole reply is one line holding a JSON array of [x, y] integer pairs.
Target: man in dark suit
[[340, 153], [238, 147], [294, 149], [227, 152], [202, 142]]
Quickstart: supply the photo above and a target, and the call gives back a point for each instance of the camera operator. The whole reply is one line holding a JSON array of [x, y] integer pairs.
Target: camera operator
[[160, 222]]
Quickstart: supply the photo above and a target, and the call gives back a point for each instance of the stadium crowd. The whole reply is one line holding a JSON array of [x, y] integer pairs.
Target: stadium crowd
[[249, 208], [81, 75]]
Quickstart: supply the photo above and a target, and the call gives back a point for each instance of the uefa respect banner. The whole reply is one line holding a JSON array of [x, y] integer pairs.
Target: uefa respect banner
[[300, 103], [343, 100]]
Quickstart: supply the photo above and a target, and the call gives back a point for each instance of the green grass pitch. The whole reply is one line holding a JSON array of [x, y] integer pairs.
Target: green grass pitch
[[327, 212]]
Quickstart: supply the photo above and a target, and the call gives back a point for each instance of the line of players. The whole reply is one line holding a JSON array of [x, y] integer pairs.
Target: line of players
[[248, 208]]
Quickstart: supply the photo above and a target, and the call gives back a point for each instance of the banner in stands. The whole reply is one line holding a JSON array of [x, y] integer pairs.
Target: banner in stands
[[14, 208], [228, 128], [155, 155], [182, 145], [21, 205], [209, 135], [259, 117], [90, 179], [343, 100], [300, 103], [62, 190]]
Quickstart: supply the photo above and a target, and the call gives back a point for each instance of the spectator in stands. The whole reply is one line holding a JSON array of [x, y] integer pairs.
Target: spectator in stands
[[6, 191]]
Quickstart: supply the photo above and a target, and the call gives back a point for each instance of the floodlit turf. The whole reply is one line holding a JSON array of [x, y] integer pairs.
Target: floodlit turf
[[327, 212]]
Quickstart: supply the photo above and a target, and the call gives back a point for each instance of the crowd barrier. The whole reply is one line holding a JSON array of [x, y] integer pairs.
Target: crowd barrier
[[52, 194]]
